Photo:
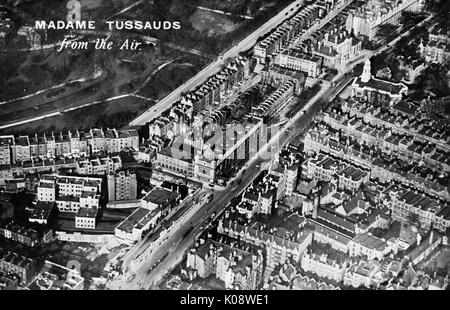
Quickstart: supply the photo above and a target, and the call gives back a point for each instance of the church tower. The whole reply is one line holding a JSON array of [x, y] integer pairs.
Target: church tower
[[366, 75]]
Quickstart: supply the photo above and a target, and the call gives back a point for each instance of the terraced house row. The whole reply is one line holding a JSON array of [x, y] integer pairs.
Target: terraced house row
[[328, 169], [75, 144], [382, 166], [285, 34], [405, 118], [430, 212], [404, 146], [214, 90]]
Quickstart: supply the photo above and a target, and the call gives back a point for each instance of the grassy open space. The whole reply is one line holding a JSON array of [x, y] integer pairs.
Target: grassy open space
[[123, 72], [212, 23], [111, 114]]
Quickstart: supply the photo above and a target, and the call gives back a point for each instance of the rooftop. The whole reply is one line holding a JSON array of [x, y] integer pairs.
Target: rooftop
[[138, 219], [386, 86], [368, 241], [160, 196], [87, 212], [42, 210]]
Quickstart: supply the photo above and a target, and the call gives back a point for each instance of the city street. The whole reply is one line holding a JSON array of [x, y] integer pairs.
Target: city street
[[173, 249], [178, 243], [235, 146]]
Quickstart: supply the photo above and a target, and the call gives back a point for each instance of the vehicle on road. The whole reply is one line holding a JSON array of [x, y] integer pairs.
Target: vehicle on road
[[209, 198]]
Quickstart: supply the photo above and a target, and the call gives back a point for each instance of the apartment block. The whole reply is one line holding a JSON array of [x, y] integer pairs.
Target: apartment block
[[70, 193], [122, 186], [298, 60], [99, 166]]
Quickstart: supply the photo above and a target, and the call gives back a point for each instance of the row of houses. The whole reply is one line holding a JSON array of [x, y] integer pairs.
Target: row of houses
[[289, 30], [383, 167], [430, 212], [18, 265], [326, 168], [279, 246], [275, 102], [26, 236], [403, 119], [402, 144], [71, 144], [352, 273], [216, 88], [24, 175]]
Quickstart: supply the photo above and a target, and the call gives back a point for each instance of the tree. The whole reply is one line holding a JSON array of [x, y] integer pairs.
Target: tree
[[437, 6], [385, 30], [384, 73], [431, 80], [409, 18]]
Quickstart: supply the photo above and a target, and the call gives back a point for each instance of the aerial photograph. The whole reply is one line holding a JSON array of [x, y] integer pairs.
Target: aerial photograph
[[205, 146]]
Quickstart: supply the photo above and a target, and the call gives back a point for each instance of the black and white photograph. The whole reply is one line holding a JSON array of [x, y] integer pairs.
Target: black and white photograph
[[222, 151]]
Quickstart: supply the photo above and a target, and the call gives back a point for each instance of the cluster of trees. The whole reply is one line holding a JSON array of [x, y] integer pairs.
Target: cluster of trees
[[432, 80], [384, 73], [386, 32], [391, 61], [10, 84], [166, 80], [437, 6], [409, 18], [408, 49]]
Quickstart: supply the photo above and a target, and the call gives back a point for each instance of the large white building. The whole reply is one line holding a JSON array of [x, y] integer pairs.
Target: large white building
[[70, 193], [298, 60], [337, 47], [366, 19], [86, 218], [134, 226]]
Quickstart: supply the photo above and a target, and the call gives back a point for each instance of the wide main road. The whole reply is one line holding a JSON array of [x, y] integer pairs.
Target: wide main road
[[178, 243], [297, 125], [182, 239], [217, 65]]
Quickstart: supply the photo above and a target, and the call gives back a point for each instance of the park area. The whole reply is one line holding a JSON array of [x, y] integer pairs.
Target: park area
[[79, 89]]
